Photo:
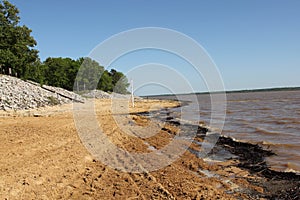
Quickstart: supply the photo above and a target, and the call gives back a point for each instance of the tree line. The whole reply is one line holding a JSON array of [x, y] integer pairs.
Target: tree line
[[78, 75], [19, 58]]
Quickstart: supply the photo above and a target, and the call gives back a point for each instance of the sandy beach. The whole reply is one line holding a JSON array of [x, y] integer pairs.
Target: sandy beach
[[42, 157], [143, 100]]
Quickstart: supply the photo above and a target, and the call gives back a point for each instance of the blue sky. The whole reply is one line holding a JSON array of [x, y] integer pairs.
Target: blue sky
[[255, 44]]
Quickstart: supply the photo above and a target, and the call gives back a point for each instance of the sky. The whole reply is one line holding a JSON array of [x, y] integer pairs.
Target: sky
[[254, 44]]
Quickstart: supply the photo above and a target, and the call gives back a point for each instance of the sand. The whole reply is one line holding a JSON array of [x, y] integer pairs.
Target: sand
[[42, 157]]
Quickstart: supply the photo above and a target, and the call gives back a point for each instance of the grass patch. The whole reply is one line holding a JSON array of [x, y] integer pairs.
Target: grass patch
[[53, 101]]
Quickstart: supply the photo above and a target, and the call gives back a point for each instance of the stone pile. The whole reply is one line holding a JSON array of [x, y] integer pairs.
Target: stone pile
[[16, 94], [120, 96], [64, 93], [97, 94]]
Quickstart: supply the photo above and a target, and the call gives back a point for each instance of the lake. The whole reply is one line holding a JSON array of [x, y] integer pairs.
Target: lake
[[269, 118]]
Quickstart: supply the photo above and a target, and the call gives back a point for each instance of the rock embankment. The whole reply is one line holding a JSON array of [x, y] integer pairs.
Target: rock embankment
[[99, 94], [16, 94]]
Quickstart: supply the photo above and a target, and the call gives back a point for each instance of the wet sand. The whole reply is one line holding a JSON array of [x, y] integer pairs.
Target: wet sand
[[42, 157]]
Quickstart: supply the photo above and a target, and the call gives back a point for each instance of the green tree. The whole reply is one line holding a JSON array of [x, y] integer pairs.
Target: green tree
[[37, 72], [105, 82], [16, 44], [61, 72], [88, 75], [119, 81], [72, 72]]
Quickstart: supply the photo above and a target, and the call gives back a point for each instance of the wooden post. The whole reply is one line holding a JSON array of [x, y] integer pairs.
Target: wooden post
[[132, 96]]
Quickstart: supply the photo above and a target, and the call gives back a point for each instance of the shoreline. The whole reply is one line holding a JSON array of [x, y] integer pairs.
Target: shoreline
[[258, 119], [44, 152], [250, 157]]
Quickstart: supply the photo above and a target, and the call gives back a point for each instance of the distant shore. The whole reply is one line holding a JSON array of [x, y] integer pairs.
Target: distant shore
[[229, 91]]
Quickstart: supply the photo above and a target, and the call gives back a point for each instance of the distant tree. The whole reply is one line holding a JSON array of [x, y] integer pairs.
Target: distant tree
[[37, 72], [119, 81], [55, 71], [89, 74], [105, 82], [72, 72], [78, 75], [60, 72], [16, 44]]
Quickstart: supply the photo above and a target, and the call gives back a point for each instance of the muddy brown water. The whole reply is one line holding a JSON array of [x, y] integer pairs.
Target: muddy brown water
[[271, 119]]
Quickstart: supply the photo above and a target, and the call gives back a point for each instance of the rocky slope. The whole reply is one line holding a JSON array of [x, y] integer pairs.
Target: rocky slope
[[16, 94], [98, 94]]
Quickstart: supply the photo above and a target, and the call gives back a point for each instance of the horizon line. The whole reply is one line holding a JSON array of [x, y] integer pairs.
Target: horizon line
[[288, 88]]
